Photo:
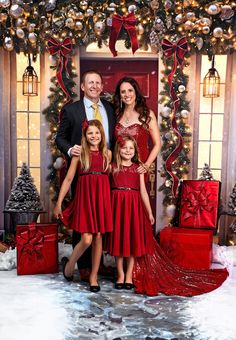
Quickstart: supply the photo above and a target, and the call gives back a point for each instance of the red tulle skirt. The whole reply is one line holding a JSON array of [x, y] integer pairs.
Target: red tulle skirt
[[154, 274]]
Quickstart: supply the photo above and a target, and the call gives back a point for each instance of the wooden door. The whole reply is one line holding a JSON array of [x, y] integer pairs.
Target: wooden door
[[145, 72]]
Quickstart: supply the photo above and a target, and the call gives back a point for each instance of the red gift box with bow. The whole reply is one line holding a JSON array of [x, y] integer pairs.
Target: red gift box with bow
[[37, 249], [188, 248], [199, 203]]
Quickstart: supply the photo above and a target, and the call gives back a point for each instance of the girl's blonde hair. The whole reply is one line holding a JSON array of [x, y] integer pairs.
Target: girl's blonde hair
[[85, 159], [121, 140]]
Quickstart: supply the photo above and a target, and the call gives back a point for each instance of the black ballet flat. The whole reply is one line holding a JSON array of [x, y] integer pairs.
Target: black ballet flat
[[64, 261], [128, 286], [119, 285], [94, 289]]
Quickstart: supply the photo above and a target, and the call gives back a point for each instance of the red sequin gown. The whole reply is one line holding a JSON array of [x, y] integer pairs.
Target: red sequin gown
[[90, 210], [155, 273], [132, 231]]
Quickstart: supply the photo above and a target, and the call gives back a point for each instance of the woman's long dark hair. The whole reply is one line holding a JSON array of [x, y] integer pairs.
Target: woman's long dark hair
[[140, 104]]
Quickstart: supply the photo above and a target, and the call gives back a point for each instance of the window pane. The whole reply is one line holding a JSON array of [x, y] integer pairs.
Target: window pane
[[34, 152], [217, 127], [219, 103], [34, 102], [205, 103], [22, 101], [22, 152], [204, 126], [203, 153], [216, 174], [35, 173], [216, 155], [34, 124], [22, 125]]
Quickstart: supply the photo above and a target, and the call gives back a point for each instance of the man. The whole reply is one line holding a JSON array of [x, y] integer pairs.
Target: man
[[69, 135]]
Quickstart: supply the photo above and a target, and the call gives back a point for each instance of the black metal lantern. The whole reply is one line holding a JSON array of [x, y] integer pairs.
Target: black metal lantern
[[211, 82], [30, 81]]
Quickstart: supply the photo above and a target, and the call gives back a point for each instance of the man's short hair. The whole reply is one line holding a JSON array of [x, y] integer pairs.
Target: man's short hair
[[90, 72]]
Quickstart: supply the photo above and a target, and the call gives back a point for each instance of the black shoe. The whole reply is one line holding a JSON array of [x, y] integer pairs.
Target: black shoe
[[128, 286], [64, 261], [119, 285], [94, 289]]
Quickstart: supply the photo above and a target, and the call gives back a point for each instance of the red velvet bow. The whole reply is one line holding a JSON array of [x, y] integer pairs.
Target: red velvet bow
[[85, 124], [129, 23], [179, 49], [120, 140], [31, 241], [62, 49]]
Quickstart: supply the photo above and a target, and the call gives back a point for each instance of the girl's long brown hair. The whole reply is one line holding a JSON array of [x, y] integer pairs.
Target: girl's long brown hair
[[119, 144], [85, 159], [140, 104]]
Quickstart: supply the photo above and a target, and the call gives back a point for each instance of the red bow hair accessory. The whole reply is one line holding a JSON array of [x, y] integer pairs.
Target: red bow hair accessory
[[85, 124], [120, 140]]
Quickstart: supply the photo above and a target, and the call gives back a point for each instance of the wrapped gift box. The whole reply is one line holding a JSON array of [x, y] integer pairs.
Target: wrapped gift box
[[199, 202], [37, 249], [188, 248]]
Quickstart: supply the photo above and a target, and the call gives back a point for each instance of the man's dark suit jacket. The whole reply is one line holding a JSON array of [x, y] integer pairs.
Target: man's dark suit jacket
[[70, 130]]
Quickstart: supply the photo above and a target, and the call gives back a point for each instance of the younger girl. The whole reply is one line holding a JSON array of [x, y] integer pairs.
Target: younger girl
[[149, 270], [90, 211], [132, 214]]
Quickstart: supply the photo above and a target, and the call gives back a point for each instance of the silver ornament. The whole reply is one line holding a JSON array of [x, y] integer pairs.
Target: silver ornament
[[168, 183], [58, 164], [205, 29], [16, 11], [99, 27], [109, 21], [199, 43], [132, 8], [213, 9], [226, 12], [184, 113], [179, 18], [140, 29], [79, 16], [20, 33], [89, 12], [218, 32], [165, 111], [190, 16], [69, 22], [181, 88], [8, 44], [32, 37], [78, 25], [53, 60], [5, 3]]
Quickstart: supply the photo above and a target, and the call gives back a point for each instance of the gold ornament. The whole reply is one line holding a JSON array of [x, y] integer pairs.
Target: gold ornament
[[31, 27], [16, 11], [79, 16], [218, 32], [188, 25], [83, 5], [8, 44], [205, 22], [3, 17], [154, 5], [205, 30], [140, 29]]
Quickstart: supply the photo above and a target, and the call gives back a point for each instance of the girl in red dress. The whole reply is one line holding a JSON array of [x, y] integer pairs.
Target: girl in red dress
[[132, 214], [90, 211]]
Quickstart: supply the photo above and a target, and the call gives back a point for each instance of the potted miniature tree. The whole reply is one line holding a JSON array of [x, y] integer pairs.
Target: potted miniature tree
[[24, 204]]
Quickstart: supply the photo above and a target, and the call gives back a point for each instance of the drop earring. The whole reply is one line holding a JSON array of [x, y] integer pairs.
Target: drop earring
[[121, 104]]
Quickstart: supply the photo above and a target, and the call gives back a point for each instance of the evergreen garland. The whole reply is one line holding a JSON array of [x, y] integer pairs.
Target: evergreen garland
[[232, 201]]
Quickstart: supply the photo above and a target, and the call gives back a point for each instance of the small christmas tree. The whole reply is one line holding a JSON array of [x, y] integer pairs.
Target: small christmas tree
[[24, 195], [206, 173], [232, 201]]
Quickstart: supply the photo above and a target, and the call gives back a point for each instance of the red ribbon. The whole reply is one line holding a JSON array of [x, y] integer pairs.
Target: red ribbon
[[62, 50], [31, 241], [178, 50], [129, 23]]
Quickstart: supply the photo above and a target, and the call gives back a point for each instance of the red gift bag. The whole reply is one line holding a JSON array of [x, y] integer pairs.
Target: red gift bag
[[37, 249], [188, 248], [199, 203]]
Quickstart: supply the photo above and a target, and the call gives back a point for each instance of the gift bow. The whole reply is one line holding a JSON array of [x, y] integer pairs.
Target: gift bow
[[62, 50], [178, 50], [129, 22], [31, 241], [197, 201]]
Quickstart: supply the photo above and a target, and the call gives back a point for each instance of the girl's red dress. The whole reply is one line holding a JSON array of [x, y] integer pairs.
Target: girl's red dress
[[155, 273], [90, 210], [132, 231]]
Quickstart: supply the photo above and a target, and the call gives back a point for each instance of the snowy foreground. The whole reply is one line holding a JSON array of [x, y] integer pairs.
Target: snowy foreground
[[45, 307]]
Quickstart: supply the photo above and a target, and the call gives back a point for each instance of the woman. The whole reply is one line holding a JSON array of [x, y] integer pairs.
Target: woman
[[136, 119]]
